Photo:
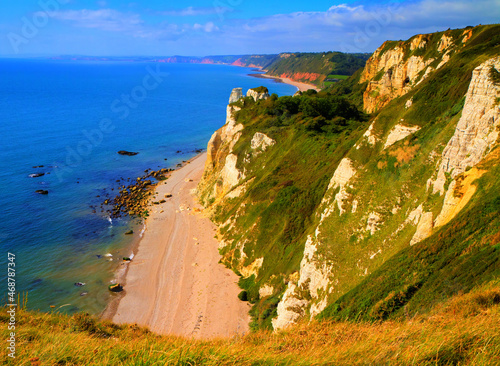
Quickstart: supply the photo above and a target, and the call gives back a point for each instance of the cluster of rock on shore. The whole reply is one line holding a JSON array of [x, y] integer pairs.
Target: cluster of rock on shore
[[133, 198]]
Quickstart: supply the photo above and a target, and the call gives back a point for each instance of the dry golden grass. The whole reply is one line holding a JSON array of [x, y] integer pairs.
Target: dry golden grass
[[463, 331]]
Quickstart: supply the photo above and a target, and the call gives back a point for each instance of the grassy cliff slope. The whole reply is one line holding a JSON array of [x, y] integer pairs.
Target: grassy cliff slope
[[336, 201]]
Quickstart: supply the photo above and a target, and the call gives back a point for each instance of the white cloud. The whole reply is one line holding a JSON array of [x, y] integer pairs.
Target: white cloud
[[104, 19], [363, 27], [207, 27], [195, 11]]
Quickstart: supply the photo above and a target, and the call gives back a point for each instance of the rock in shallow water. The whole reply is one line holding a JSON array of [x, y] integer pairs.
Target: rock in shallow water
[[128, 153]]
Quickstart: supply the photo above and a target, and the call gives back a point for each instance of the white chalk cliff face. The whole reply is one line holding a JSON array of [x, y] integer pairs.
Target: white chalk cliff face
[[476, 133], [314, 278], [477, 129], [236, 94], [220, 159], [221, 166]]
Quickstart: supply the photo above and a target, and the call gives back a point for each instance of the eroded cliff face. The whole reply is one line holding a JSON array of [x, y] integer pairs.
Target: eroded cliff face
[[398, 181], [221, 173], [477, 131], [407, 216], [397, 67]]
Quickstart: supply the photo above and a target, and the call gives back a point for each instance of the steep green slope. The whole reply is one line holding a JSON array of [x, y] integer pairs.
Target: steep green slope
[[332, 199], [313, 132], [460, 256]]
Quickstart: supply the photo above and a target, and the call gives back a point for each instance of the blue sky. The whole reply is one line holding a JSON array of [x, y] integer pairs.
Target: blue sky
[[221, 27]]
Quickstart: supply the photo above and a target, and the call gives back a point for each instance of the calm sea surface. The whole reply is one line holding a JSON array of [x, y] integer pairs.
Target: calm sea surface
[[72, 118]]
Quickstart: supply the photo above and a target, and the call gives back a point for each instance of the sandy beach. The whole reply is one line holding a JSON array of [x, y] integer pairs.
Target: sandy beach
[[174, 284], [300, 86]]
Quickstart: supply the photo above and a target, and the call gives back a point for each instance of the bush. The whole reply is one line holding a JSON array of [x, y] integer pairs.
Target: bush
[[243, 296]]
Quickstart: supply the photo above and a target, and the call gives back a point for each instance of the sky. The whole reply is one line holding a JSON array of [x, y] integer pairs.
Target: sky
[[224, 27]]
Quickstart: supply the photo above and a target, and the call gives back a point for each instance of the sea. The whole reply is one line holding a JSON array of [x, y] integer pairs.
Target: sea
[[67, 119]]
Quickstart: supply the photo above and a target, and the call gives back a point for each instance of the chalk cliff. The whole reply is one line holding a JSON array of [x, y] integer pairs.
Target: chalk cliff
[[396, 67], [310, 207]]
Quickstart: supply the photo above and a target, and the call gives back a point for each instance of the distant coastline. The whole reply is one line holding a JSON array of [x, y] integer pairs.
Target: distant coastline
[[300, 86]]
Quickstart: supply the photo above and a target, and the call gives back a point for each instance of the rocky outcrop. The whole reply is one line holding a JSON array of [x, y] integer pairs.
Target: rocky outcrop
[[227, 134], [127, 153], [476, 133], [458, 195], [424, 228], [266, 290], [369, 137], [290, 308], [393, 71], [341, 177], [230, 175], [314, 279], [477, 130], [221, 172], [259, 93], [399, 76], [398, 133], [236, 94], [261, 141], [315, 272]]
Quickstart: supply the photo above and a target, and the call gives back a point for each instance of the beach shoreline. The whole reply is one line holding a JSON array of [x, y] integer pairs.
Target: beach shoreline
[[174, 284], [300, 86]]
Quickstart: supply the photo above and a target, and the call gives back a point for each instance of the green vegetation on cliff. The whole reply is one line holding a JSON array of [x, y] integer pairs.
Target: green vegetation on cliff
[[329, 214], [314, 131], [359, 259]]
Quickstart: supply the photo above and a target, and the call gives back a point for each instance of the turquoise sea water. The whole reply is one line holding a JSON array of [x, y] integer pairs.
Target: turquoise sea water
[[72, 118]]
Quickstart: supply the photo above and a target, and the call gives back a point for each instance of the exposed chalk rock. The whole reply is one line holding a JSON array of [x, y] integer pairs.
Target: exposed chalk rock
[[236, 94], [458, 195], [409, 103], [261, 141], [341, 177], [368, 136], [290, 308], [373, 222], [414, 216], [398, 133], [424, 228], [266, 290], [258, 94], [314, 275], [444, 43], [400, 74], [477, 129], [230, 174]]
